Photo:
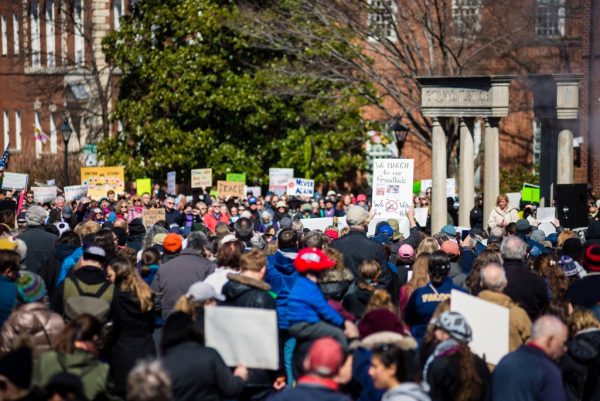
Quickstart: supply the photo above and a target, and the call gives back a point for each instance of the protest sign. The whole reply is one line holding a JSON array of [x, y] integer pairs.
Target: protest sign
[[51, 182], [490, 341], [392, 187], [227, 189], [514, 198], [530, 193], [450, 186], [317, 223], [403, 225], [99, 180], [301, 187], [256, 191], [171, 182], [222, 330], [546, 215], [202, 178], [90, 155], [143, 185], [152, 216], [421, 214], [74, 192], [44, 194], [16, 181], [236, 177], [278, 179]]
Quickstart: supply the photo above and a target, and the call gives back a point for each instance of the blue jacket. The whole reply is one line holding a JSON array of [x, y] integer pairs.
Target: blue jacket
[[67, 264], [422, 304], [281, 275], [8, 298], [307, 303], [538, 377]]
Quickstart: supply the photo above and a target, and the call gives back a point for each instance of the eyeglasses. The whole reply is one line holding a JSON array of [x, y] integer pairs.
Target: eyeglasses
[[169, 203]]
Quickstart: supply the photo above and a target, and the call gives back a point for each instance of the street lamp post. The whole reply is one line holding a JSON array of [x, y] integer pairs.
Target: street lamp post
[[401, 132], [66, 131]]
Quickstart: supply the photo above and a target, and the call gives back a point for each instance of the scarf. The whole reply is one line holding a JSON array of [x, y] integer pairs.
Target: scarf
[[446, 347]]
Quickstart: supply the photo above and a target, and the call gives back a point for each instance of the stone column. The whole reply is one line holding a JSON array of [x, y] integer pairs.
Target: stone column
[[564, 172], [439, 209], [491, 185], [467, 174]]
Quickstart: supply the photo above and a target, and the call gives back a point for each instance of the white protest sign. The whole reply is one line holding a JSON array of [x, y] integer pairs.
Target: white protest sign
[[74, 192], [392, 187], [317, 223], [490, 341], [546, 214], [403, 226], [278, 179], [450, 186], [300, 187], [51, 182], [15, 181], [342, 223], [171, 182], [44, 194], [547, 228], [202, 178], [222, 330], [514, 198], [256, 191], [421, 215]]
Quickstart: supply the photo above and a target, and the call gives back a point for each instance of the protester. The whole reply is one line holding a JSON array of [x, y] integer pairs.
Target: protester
[[419, 278], [40, 243], [9, 268], [148, 381], [359, 294], [15, 376]]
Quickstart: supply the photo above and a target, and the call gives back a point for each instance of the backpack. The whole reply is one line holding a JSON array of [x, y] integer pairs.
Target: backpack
[[88, 302]]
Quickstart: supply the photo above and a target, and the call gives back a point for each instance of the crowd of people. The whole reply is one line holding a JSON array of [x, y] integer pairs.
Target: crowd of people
[[97, 305]]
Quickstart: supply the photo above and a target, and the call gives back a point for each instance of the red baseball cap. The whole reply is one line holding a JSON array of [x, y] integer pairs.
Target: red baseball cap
[[361, 197], [325, 357], [312, 259], [332, 234]]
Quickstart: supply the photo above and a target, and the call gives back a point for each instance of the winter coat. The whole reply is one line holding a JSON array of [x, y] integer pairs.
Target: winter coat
[[211, 221], [94, 375], [519, 324], [67, 265], [308, 304], [476, 218], [314, 389], [51, 268], [527, 374], [173, 216], [175, 277], [443, 376], [131, 336], [35, 321], [526, 289], [580, 366], [246, 292], [356, 300], [8, 298], [40, 247], [584, 292], [87, 276], [406, 392], [281, 275], [198, 373], [506, 216]]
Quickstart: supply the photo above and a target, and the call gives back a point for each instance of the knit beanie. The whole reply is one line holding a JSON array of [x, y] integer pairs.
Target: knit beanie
[[30, 287]]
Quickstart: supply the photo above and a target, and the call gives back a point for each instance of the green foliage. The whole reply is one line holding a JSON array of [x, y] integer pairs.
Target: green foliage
[[196, 93], [511, 180]]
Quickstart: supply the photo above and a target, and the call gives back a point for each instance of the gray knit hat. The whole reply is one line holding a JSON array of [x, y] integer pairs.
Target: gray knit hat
[[36, 216]]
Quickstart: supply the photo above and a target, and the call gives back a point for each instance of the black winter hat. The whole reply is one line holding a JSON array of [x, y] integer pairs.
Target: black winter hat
[[17, 366]]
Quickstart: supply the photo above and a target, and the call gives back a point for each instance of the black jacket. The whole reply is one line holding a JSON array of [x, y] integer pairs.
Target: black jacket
[[50, 269], [246, 292], [580, 366], [525, 288], [40, 247], [476, 217], [198, 373], [443, 376], [356, 300]]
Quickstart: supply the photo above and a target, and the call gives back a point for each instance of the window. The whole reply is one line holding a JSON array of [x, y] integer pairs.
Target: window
[[50, 40], [34, 16], [550, 18], [18, 130], [53, 133], [382, 19], [38, 129], [465, 15], [117, 13], [79, 32], [4, 29], [6, 128], [15, 34]]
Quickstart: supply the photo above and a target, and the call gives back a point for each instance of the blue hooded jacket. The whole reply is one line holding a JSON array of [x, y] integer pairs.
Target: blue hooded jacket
[[281, 275]]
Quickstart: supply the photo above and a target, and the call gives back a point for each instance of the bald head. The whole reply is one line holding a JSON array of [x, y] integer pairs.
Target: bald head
[[550, 334], [493, 277]]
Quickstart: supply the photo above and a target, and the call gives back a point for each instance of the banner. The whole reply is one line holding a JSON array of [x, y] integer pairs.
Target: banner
[[44, 194], [171, 182], [99, 180], [229, 189], [490, 341], [256, 191], [392, 187], [152, 216], [143, 185], [278, 180], [236, 177], [74, 192], [16, 181], [202, 178], [222, 329], [301, 187], [450, 186]]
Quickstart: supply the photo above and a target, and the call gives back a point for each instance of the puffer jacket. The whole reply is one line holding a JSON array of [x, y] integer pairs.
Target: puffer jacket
[[497, 216], [246, 292], [35, 321]]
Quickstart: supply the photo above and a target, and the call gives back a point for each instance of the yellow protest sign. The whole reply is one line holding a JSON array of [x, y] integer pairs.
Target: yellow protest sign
[[99, 180], [202, 178], [152, 216], [230, 189], [143, 185]]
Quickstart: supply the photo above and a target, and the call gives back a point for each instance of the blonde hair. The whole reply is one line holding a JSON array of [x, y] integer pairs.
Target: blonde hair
[[502, 196], [428, 245], [420, 274], [381, 299], [129, 280], [582, 319], [563, 236], [89, 227], [188, 305], [254, 260]]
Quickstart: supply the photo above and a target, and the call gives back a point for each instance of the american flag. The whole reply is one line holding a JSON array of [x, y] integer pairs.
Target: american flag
[[4, 159]]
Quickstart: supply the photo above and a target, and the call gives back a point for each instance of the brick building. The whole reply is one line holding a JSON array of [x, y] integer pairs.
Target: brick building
[[539, 38], [52, 68]]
